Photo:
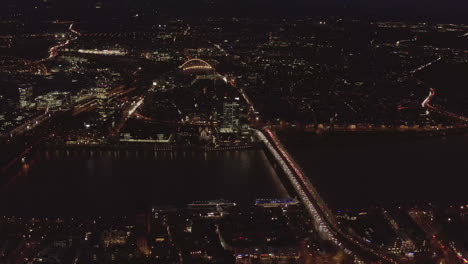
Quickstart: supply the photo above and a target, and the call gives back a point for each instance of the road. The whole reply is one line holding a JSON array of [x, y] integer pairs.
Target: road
[[427, 101], [422, 67], [325, 222], [451, 253], [30, 124], [427, 104], [53, 51], [129, 110]]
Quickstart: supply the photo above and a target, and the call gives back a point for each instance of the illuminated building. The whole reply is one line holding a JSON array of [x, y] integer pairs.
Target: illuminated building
[[101, 95], [160, 138], [54, 101], [114, 237], [231, 115], [25, 97], [276, 202], [204, 133]]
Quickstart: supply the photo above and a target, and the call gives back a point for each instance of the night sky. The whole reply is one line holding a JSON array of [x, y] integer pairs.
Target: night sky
[[438, 10]]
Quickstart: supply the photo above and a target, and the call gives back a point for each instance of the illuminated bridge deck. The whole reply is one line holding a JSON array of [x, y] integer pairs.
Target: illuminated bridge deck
[[324, 220]]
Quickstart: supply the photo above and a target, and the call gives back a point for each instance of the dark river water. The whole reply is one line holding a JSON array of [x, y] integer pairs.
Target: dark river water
[[122, 182], [355, 172], [350, 173]]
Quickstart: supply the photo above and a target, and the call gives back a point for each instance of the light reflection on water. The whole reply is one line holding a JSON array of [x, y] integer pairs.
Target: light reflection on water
[[77, 182]]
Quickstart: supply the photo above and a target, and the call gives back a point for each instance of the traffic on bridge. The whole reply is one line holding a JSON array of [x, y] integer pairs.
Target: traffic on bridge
[[324, 219]]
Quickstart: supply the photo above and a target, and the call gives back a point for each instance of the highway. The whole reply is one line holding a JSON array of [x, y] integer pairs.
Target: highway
[[130, 108], [53, 51], [427, 104], [427, 101], [324, 220]]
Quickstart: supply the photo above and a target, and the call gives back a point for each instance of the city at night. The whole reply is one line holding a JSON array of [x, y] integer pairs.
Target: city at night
[[222, 131]]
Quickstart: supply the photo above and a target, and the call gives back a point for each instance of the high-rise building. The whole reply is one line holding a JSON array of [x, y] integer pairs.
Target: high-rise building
[[102, 91], [101, 94], [25, 97], [231, 115]]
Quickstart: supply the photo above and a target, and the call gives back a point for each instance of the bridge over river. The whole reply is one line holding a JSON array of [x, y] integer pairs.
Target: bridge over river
[[325, 222]]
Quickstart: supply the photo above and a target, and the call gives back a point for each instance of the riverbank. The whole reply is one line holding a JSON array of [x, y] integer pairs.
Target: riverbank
[[155, 147]]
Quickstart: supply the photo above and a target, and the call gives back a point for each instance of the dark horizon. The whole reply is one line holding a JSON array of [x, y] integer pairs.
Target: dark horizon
[[424, 11]]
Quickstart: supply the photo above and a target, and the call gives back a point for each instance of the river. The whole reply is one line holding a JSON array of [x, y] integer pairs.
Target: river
[[79, 183], [353, 172]]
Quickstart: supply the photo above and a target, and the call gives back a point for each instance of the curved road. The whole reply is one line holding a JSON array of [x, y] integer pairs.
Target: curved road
[[53, 51], [427, 104]]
